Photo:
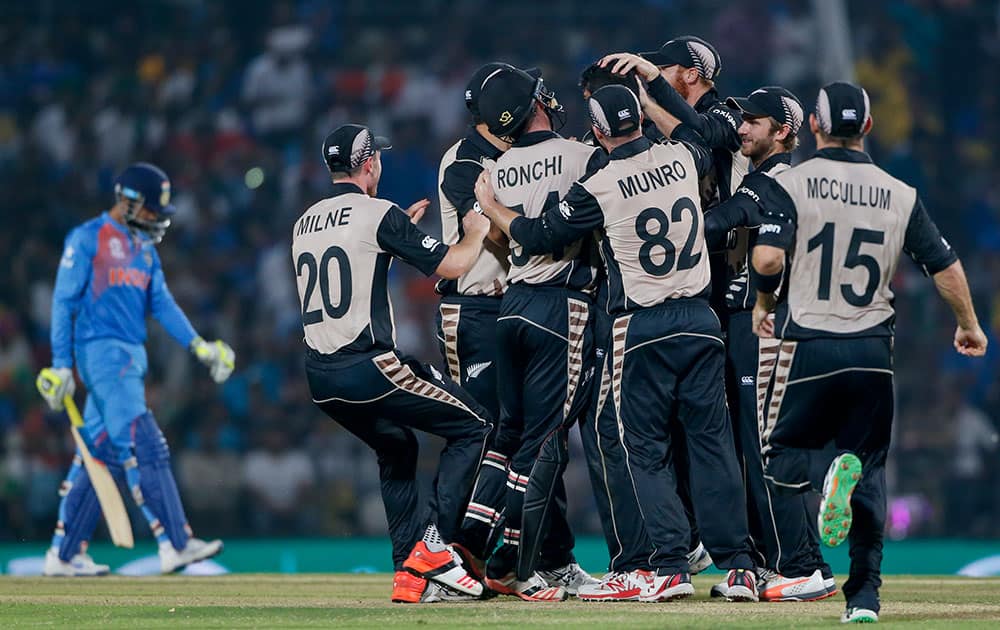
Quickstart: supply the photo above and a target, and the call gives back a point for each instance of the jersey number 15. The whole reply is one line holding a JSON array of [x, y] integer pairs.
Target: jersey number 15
[[854, 258], [307, 263]]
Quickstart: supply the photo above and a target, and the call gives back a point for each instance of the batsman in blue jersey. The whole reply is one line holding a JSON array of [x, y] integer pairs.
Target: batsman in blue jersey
[[110, 279]]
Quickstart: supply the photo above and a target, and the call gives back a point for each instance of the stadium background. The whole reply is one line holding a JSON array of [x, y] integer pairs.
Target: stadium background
[[233, 99]]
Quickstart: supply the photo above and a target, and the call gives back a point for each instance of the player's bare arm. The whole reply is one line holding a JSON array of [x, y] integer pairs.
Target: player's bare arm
[[767, 261], [951, 283], [463, 255]]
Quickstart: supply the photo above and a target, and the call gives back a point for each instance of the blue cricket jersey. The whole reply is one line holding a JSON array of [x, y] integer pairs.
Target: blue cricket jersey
[[109, 281]]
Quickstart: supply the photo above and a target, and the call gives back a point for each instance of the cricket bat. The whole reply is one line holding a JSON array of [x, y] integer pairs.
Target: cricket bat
[[104, 484]]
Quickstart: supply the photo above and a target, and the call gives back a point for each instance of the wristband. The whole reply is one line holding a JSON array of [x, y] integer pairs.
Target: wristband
[[766, 283]]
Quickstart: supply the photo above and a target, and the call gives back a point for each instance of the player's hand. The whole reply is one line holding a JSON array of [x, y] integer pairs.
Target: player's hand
[[54, 384], [416, 211], [623, 63], [970, 342], [476, 225], [643, 97], [217, 355], [763, 319], [485, 194]]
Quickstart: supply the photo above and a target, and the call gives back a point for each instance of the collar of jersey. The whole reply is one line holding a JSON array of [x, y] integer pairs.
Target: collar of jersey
[[633, 147], [778, 158], [118, 226], [707, 99], [844, 155], [535, 137], [485, 148], [345, 188]]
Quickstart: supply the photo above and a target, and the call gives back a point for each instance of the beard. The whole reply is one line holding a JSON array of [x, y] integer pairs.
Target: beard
[[757, 150], [683, 89]]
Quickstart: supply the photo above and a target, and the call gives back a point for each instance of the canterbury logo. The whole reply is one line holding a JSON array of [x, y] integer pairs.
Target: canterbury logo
[[506, 117], [474, 370]]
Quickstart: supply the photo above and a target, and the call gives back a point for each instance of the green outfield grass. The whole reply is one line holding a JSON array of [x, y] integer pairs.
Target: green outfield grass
[[362, 601]]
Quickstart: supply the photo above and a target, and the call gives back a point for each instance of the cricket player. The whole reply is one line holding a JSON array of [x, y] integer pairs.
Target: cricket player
[[666, 349], [467, 315], [342, 248], [680, 85], [786, 545], [466, 321], [835, 228], [629, 547], [544, 342], [110, 279]]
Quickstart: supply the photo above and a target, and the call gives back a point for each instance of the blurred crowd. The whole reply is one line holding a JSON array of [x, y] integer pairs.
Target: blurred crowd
[[233, 99]]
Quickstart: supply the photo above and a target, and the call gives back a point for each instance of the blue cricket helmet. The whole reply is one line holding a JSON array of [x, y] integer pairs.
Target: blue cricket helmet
[[144, 185]]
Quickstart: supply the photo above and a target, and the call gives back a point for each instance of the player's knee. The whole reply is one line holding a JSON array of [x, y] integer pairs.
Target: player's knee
[[555, 448], [397, 455], [787, 471], [150, 445]]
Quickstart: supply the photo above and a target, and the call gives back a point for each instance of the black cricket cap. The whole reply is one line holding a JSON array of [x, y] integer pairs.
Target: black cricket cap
[[615, 110], [688, 51], [773, 101], [475, 86], [843, 109], [506, 99], [348, 146]]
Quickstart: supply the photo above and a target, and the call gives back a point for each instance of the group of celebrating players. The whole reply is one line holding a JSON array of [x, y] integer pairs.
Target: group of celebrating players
[[583, 284], [718, 322]]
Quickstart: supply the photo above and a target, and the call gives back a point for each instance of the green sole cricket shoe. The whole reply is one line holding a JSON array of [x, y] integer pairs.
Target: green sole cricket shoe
[[834, 519], [859, 615]]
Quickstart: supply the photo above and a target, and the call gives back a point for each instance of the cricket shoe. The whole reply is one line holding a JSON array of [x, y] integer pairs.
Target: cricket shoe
[[741, 586], [779, 588], [699, 559], [443, 567], [472, 564], [663, 588], [859, 615], [617, 586], [534, 589], [412, 589], [834, 518], [571, 577], [721, 590], [80, 565], [195, 550], [831, 586]]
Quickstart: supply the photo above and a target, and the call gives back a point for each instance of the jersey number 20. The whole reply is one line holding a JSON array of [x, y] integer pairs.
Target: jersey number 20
[[307, 262]]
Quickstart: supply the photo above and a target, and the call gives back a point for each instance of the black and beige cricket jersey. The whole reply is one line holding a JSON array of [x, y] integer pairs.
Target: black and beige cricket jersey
[[844, 223], [535, 173], [719, 125], [342, 247], [742, 210], [645, 201], [459, 170]]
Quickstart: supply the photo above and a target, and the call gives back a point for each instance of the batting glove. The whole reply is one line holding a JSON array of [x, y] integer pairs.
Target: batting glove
[[54, 384], [217, 355]]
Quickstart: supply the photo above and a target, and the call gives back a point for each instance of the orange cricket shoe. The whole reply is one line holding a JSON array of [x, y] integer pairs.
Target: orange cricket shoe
[[443, 567]]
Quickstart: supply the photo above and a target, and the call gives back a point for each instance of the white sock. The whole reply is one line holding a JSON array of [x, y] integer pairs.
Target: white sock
[[432, 538]]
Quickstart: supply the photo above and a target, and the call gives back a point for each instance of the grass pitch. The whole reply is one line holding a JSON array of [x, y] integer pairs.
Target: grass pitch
[[362, 601]]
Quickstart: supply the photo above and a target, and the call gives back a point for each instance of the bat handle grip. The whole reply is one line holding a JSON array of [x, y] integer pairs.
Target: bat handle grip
[[74, 414]]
